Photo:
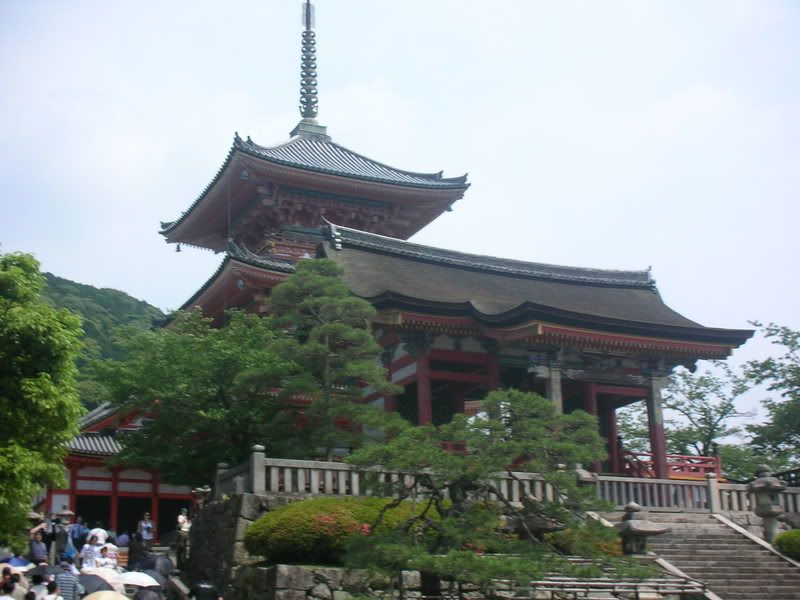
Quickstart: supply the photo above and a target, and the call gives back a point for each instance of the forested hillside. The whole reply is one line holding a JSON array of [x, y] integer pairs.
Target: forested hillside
[[102, 310]]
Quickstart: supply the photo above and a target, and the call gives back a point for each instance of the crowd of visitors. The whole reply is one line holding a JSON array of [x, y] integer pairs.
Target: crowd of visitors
[[77, 552]]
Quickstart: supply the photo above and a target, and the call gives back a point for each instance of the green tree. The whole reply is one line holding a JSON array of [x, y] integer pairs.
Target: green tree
[[461, 503], [705, 406], [101, 312], [701, 409], [780, 434], [38, 399], [332, 342], [205, 394]]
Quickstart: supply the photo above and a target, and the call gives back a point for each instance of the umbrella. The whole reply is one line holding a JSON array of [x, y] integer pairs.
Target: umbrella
[[111, 576], [138, 579], [161, 579], [105, 595], [94, 583], [17, 561], [147, 594], [45, 570], [157, 562]]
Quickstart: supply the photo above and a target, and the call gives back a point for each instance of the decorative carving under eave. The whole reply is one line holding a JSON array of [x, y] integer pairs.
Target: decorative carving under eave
[[418, 343]]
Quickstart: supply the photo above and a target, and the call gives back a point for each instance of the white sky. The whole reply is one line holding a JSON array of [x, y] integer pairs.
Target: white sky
[[606, 134]]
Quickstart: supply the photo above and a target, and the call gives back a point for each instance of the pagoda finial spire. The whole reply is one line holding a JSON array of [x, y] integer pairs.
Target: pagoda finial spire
[[308, 72]]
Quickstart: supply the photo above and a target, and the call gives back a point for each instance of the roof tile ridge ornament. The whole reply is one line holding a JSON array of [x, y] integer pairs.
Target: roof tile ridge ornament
[[308, 127]]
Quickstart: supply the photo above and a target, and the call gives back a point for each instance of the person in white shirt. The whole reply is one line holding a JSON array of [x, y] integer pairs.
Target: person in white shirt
[[99, 532], [148, 530], [89, 554], [104, 560], [53, 592]]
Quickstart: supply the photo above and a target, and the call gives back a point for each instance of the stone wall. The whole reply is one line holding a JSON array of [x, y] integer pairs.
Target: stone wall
[[217, 535], [292, 582]]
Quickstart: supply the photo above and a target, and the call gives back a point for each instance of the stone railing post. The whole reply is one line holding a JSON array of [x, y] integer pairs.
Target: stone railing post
[[258, 470], [221, 468], [712, 489]]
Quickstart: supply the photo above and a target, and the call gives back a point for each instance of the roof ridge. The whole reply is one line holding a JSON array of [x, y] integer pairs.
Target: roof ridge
[[386, 244]]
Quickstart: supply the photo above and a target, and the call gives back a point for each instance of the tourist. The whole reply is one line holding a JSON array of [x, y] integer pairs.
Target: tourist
[[19, 589], [123, 539], [100, 533], [135, 551], [89, 553], [205, 589], [68, 583], [182, 542], [8, 588], [39, 587], [104, 560], [78, 532], [147, 530], [37, 549], [52, 592]]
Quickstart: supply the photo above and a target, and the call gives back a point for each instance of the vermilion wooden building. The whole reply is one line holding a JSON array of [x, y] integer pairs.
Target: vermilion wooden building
[[452, 325], [116, 496]]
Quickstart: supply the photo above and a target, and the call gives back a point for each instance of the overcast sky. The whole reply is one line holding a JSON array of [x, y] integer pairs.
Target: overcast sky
[[601, 134]]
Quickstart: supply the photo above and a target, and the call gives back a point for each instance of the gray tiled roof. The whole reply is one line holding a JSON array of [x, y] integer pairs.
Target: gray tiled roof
[[325, 156], [244, 255], [393, 273], [102, 412], [361, 239], [95, 445]]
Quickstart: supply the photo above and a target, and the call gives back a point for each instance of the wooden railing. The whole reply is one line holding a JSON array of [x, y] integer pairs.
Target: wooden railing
[[262, 475], [679, 466]]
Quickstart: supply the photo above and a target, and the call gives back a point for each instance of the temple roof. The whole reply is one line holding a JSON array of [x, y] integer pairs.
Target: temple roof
[[501, 292], [237, 254], [317, 154], [95, 445]]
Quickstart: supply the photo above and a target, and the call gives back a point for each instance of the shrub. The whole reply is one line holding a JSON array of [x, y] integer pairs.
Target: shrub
[[590, 539], [316, 531], [788, 542]]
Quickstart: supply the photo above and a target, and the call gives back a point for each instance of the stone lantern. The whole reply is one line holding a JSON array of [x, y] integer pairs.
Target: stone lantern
[[767, 491], [634, 530]]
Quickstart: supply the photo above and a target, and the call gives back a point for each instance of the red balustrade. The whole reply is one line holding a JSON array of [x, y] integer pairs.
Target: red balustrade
[[679, 466]]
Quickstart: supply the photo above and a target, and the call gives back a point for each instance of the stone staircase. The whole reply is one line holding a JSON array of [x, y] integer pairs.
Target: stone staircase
[[733, 566]]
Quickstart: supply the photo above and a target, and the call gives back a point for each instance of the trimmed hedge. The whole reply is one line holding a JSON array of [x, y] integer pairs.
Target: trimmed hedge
[[316, 530], [788, 542]]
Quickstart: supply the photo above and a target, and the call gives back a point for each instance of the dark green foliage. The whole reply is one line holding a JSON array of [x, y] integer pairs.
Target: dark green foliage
[[588, 538], [210, 393], [788, 542], [462, 509], [316, 531], [39, 406], [101, 312], [333, 343]]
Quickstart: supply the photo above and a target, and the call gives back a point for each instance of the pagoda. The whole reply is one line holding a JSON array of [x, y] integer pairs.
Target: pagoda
[[453, 325]]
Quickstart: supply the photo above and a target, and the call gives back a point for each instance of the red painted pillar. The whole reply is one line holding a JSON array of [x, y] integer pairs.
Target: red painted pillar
[[156, 481], [389, 400], [73, 489], [590, 406], [424, 407], [114, 499], [655, 424], [610, 415], [493, 372]]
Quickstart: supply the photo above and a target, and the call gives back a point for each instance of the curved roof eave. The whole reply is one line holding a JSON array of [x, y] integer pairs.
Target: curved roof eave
[[437, 182], [528, 311]]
